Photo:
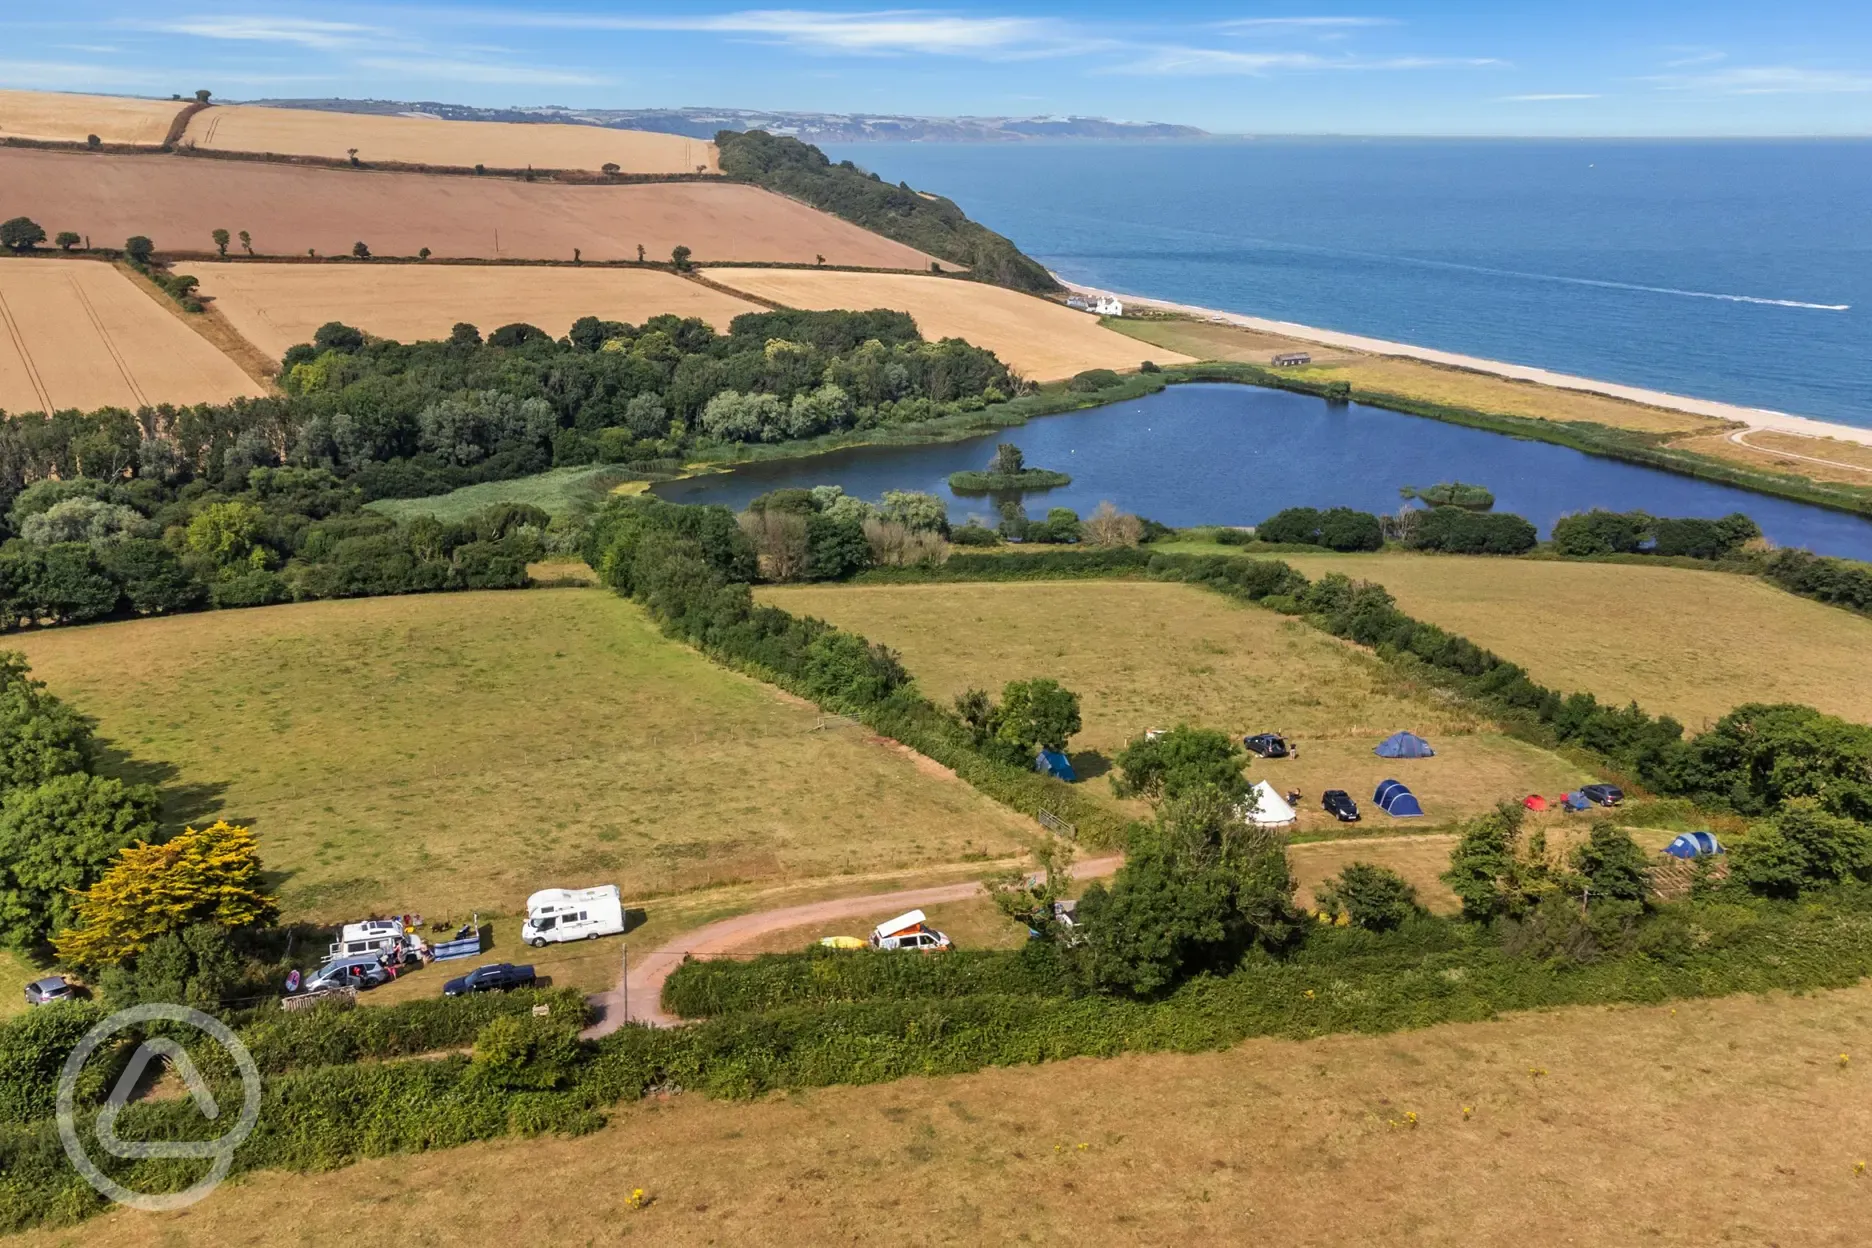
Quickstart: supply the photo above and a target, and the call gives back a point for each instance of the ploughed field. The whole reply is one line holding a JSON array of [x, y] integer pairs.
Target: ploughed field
[[450, 752], [1146, 655], [1038, 339], [56, 117], [454, 144], [1582, 1127], [1688, 643], [78, 333], [177, 201], [277, 305]]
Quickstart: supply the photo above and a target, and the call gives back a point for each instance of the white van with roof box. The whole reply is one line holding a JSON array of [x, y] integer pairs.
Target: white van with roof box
[[369, 936], [557, 914], [908, 931]]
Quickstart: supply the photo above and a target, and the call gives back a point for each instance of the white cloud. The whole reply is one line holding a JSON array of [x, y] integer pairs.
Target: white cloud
[[1768, 80], [1256, 25], [1548, 95], [884, 33], [1172, 59], [443, 69], [303, 32], [1694, 56]]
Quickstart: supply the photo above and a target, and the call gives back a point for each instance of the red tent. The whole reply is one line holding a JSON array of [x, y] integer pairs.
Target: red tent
[[1534, 802]]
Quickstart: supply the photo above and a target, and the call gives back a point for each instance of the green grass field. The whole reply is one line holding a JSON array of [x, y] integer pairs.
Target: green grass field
[[447, 752], [1148, 655], [562, 491], [1685, 642]]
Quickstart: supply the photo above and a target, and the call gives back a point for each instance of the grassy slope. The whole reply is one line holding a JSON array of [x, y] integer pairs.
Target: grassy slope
[[443, 752], [1272, 1141], [1689, 643], [558, 492], [1144, 655]]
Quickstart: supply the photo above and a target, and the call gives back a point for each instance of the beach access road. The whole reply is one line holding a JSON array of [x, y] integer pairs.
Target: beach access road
[[1752, 418]]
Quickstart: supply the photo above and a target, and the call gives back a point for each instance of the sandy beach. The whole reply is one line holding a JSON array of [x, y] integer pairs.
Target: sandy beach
[[1750, 419]]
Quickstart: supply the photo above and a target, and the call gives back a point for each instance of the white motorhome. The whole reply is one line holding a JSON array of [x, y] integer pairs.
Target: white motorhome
[[908, 931], [368, 937], [556, 914]]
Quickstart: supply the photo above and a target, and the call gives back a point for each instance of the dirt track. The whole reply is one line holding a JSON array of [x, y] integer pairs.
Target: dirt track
[[76, 333], [430, 141], [277, 305], [177, 201], [644, 985]]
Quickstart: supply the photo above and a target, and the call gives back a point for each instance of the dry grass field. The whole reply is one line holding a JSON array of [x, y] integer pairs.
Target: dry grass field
[[1688, 643], [277, 305], [1418, 379], [1040, 340], [1820, 459], [60, 118], [453, 751], [76, 333], [287, 209], [1727, 1121], [456, 144], [1143, 655]]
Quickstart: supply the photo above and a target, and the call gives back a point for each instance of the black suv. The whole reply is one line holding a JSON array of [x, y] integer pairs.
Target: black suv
[[496, 978], [1266, 745], [1339, 804]]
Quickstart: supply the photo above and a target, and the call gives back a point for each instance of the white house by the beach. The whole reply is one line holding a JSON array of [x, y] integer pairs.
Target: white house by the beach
[[1108, 306]]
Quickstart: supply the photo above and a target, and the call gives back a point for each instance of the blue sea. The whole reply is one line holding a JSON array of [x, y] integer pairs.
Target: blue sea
[[1730, 270]]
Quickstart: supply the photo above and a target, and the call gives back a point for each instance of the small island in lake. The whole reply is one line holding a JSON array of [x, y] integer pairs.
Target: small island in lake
[[1007, 473], [1452, 494]]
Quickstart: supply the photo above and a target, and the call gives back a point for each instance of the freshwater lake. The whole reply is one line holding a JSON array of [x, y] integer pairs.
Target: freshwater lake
[[1232, 454]]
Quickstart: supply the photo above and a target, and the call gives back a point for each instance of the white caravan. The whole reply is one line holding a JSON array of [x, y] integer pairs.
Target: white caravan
[[555, 914], [368, 937]]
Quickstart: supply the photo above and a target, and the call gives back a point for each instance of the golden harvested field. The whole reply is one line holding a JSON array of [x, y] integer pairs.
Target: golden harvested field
[[1419, 379], [277, 305], [57, 117], [1041, 340], [1727, 1121], [452, 144], [1684, 642], [449, 752], [177, 201], [1146, 655], [76, 333]]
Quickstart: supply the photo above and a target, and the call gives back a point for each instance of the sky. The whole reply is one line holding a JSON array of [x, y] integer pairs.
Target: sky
[[1481, 67]]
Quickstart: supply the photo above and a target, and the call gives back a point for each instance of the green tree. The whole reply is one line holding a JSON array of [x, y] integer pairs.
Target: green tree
[[203, 96], [679, 257], [1180, 761], [59, 837], [225, 533], [338, 336], [221, 240], [197, 966], [40, 736], [1612, 865], [1802, 847], [1009, 460], [246, 242], [916, 511], [360, 251], [1375, 898], [67, 239], [21, 234], [153, 579], [1030, 897], [1037, 714], [522, 1053], [1492, 871], [139, 249], [71, 585]]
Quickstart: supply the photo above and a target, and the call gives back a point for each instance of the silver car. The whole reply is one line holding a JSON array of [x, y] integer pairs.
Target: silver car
[[51, 988]]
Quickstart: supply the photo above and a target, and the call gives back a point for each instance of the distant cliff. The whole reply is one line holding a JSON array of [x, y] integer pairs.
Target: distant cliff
[[704, 123]]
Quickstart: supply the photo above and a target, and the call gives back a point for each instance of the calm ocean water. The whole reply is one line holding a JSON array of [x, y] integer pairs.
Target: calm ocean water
[[1709, 268]]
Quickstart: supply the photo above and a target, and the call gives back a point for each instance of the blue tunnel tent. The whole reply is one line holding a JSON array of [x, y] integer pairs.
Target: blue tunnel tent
[[1404, 745], [1054, 763], [1694, 845], [1397, 801]]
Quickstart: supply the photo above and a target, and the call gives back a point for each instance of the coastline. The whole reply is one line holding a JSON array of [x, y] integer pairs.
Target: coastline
[[1752, 419]]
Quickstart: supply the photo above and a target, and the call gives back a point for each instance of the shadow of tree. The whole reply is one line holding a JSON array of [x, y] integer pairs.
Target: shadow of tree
[[1090, 765], [183, 804]]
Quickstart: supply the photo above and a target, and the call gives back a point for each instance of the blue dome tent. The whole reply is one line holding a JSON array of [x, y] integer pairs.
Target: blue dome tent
[[1694, 845], [1056, 764], [1397, 801], [1404, 745]]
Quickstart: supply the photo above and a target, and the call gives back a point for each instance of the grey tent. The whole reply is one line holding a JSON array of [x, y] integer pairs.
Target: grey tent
[[1403, 745]]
